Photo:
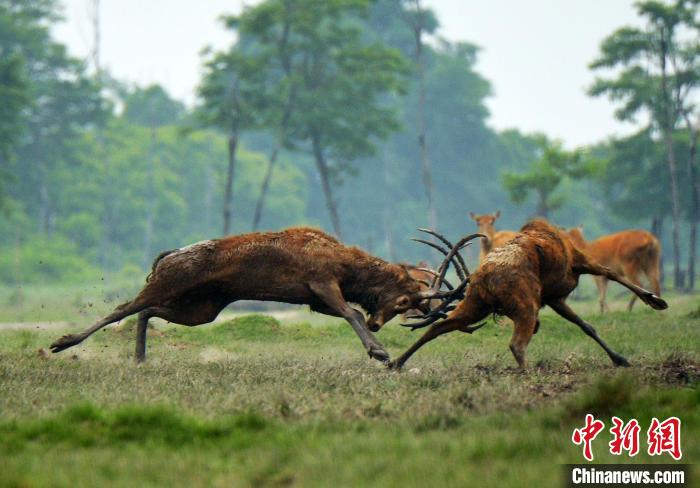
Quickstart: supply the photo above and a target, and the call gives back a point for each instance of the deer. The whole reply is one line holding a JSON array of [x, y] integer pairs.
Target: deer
[[540, 266], [494, 239], [301, 265], [630, 253], [423, 275]]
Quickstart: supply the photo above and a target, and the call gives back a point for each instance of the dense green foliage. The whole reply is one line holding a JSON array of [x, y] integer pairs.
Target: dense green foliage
[[546, 175], [657, 75], [100, 176]]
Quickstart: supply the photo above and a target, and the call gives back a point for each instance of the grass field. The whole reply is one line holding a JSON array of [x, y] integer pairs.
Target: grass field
[[257, 401]]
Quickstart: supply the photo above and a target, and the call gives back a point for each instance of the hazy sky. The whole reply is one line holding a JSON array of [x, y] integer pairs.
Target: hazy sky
[[535, 53]]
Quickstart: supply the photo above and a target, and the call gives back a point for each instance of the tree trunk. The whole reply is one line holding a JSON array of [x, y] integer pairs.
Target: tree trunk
[[228, 192], [386, 211], [322, 167], [668, 125], [675, 211], [657, 228], [150, 200], [265, 185], [426, 163], [285, 60], [694, 203]]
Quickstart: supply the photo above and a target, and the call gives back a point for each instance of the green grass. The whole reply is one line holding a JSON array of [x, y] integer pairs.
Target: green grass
[[256, 401], [68, 303]]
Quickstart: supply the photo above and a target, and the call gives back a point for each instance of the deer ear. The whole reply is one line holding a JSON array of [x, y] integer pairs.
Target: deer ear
[[580, 226], [497, 214], [403, 302]]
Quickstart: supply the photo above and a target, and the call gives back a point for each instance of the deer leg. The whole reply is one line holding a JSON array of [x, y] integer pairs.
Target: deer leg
[[561, 308], [652, 274], [437, 329], [524, 329], [602, 285], [193, 313], [645, 295], [331, 295], [461, 319], [122, 311], [632, 275], [141, 328]]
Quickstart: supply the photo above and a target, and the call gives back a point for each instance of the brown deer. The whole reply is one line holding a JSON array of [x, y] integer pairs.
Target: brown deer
[[630, 253], [191, 285], [494, 239], [541, 266], [423, 275]]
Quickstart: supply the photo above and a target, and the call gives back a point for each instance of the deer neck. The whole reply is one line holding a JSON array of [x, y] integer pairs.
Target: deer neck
[[367, 282], [487, 244]]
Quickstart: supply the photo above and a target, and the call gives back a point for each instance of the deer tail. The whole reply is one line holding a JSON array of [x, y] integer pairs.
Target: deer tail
[[156, 261]]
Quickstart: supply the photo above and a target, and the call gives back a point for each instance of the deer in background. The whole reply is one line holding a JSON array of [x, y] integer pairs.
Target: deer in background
[[494, 239], [540, 266], [630, 253], [191, 285]]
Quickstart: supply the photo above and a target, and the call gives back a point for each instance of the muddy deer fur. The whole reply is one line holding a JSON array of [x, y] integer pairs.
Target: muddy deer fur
[[630, 253], [423, 275], [191, 285], [495, 239], [540, 266]]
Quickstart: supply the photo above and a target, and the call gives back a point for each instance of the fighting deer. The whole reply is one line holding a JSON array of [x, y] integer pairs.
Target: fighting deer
[[540, 266], [425, 276], [630, 253], [191, 285], [494, 239]]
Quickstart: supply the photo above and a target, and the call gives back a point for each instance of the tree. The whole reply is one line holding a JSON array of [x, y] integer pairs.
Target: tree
[[13, 101], [546, 174], [656, 75], [338, 81], [422, 21], [270, 42], [65, 102], [689, 58], [151, 107], [694, 186], [230, 93]]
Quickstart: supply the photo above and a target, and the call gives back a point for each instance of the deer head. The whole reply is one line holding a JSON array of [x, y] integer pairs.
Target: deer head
[[434, 291], [486, 222]]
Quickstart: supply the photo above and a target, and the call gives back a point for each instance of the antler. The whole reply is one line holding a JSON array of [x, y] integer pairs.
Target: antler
[[434, 273], [461, 270], [435, 292], [451, 257]]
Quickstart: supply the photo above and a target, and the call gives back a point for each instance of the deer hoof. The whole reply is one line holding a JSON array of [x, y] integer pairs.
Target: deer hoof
[[655, 302], [64, 342], [378, 353], [393, 366], [621, 362]]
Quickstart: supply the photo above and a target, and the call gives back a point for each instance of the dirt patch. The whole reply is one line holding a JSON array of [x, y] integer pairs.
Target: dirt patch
[[680, 370]]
